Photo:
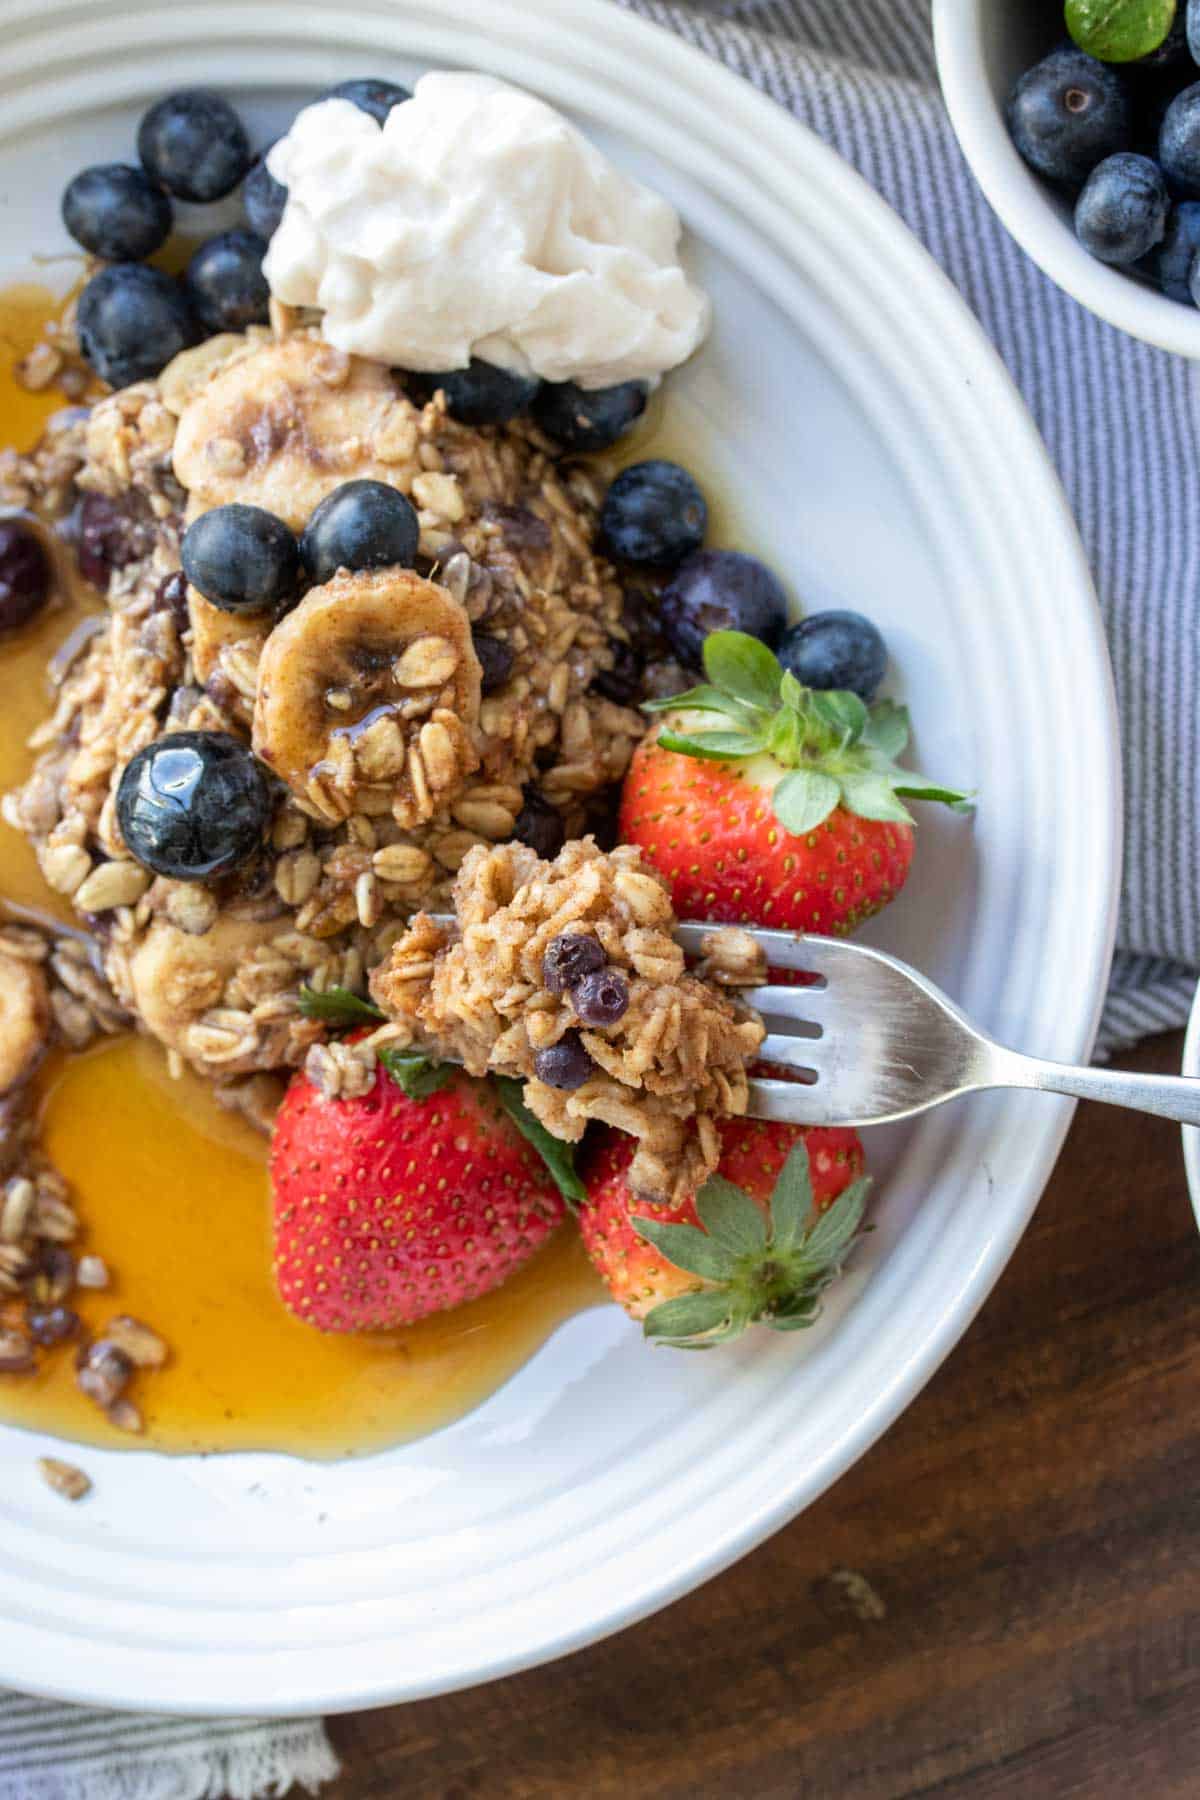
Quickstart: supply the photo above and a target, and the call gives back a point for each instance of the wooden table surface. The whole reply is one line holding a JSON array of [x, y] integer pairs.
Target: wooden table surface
[[1001, 1599]]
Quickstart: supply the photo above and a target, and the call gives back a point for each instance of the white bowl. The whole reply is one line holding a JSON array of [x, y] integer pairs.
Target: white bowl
[[1191, 1133], [982, 47], [876, 452]]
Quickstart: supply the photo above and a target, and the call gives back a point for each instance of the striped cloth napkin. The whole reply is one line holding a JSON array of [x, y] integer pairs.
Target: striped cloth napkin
[[50, 1752], [1119, 419]]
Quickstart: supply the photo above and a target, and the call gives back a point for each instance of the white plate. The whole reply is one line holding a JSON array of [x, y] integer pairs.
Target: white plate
[[879, 455]]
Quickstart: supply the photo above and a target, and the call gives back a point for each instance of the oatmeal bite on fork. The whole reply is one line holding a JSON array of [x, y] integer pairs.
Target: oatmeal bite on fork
[[566, 976]]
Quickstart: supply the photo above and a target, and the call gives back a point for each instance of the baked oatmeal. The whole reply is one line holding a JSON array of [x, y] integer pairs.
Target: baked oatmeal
[[350, 781], [566, 976]]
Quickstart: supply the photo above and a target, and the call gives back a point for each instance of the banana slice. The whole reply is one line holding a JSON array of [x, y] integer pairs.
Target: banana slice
[[24, 1018], [368, 697], [285, 424]]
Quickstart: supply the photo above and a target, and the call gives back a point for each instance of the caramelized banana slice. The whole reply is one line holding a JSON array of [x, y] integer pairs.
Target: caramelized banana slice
[[285, 424], [368, 697], [24, 1018]]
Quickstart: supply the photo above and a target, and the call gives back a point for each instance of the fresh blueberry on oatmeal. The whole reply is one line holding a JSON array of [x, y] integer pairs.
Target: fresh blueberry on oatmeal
[[263, 198], [588, 419], [193, 805], [370, 94], [225, 282], [361, 525], [194, 145], [116, 211], [131, 321], [242, 558], [836, 649], [721, 590], [654, 513], [482, 393]]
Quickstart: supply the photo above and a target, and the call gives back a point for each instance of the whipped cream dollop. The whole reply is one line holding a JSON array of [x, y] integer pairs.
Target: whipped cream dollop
[[477, 221]]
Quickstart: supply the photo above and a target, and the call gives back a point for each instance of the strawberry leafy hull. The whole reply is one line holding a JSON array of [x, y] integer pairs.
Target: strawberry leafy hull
[[765, 803]]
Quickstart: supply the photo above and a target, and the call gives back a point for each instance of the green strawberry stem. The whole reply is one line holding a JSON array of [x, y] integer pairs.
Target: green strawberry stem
[[757, 1269], [832, 749]]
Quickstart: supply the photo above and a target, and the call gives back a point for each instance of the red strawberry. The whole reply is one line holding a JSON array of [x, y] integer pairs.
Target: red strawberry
[[761, 1241], [765, 803], [387, 1208]]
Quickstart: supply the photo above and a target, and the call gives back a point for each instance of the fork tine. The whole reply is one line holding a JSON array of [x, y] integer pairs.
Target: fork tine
[[788, 1049], [797, 1005], [784, 949], [792, 1102]]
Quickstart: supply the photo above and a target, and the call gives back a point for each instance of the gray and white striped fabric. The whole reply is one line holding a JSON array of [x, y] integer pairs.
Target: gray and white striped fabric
[[1120, 424], [1119, 419], [72, 1753]]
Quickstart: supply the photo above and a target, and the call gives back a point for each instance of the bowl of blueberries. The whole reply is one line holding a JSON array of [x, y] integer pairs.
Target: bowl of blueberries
[[1081, 123]]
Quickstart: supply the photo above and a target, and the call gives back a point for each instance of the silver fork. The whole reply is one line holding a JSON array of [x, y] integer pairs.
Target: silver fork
[[876, 1041]]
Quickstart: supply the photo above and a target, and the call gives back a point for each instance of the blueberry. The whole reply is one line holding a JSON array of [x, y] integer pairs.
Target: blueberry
[[242, 558], [586, 419], [721, 590], [654, 513], [1179, 143], [171, 596], [225, 282], [361, 525], [602, 998], [539, 825], [1122, 212], [482, 393], [111, 534], [1170, 262], [836, 650], [1173, 55], [495, 659], [116, 212], [1192, 19], [193, 144], [132, 320], [565, 1064], [1194, 280], [370, 95], [568, 958], [622, 683], [193, 804], [1068, 113], [263, 198], [25, 573]]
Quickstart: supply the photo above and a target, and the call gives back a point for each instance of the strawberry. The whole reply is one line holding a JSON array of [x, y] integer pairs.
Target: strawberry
[[762, 1239], [387, 1208], [790, 812]]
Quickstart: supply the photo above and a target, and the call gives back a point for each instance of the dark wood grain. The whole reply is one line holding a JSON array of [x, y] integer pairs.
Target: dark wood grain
[[1002, 1599]]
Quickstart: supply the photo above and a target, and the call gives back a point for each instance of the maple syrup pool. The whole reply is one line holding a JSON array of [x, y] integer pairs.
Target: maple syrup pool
[[172, 1190]]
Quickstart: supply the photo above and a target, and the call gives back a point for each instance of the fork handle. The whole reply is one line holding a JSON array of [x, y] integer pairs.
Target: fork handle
[[1169, 1096]]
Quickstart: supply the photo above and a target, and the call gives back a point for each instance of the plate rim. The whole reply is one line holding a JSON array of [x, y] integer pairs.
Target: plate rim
[[723, 96]]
